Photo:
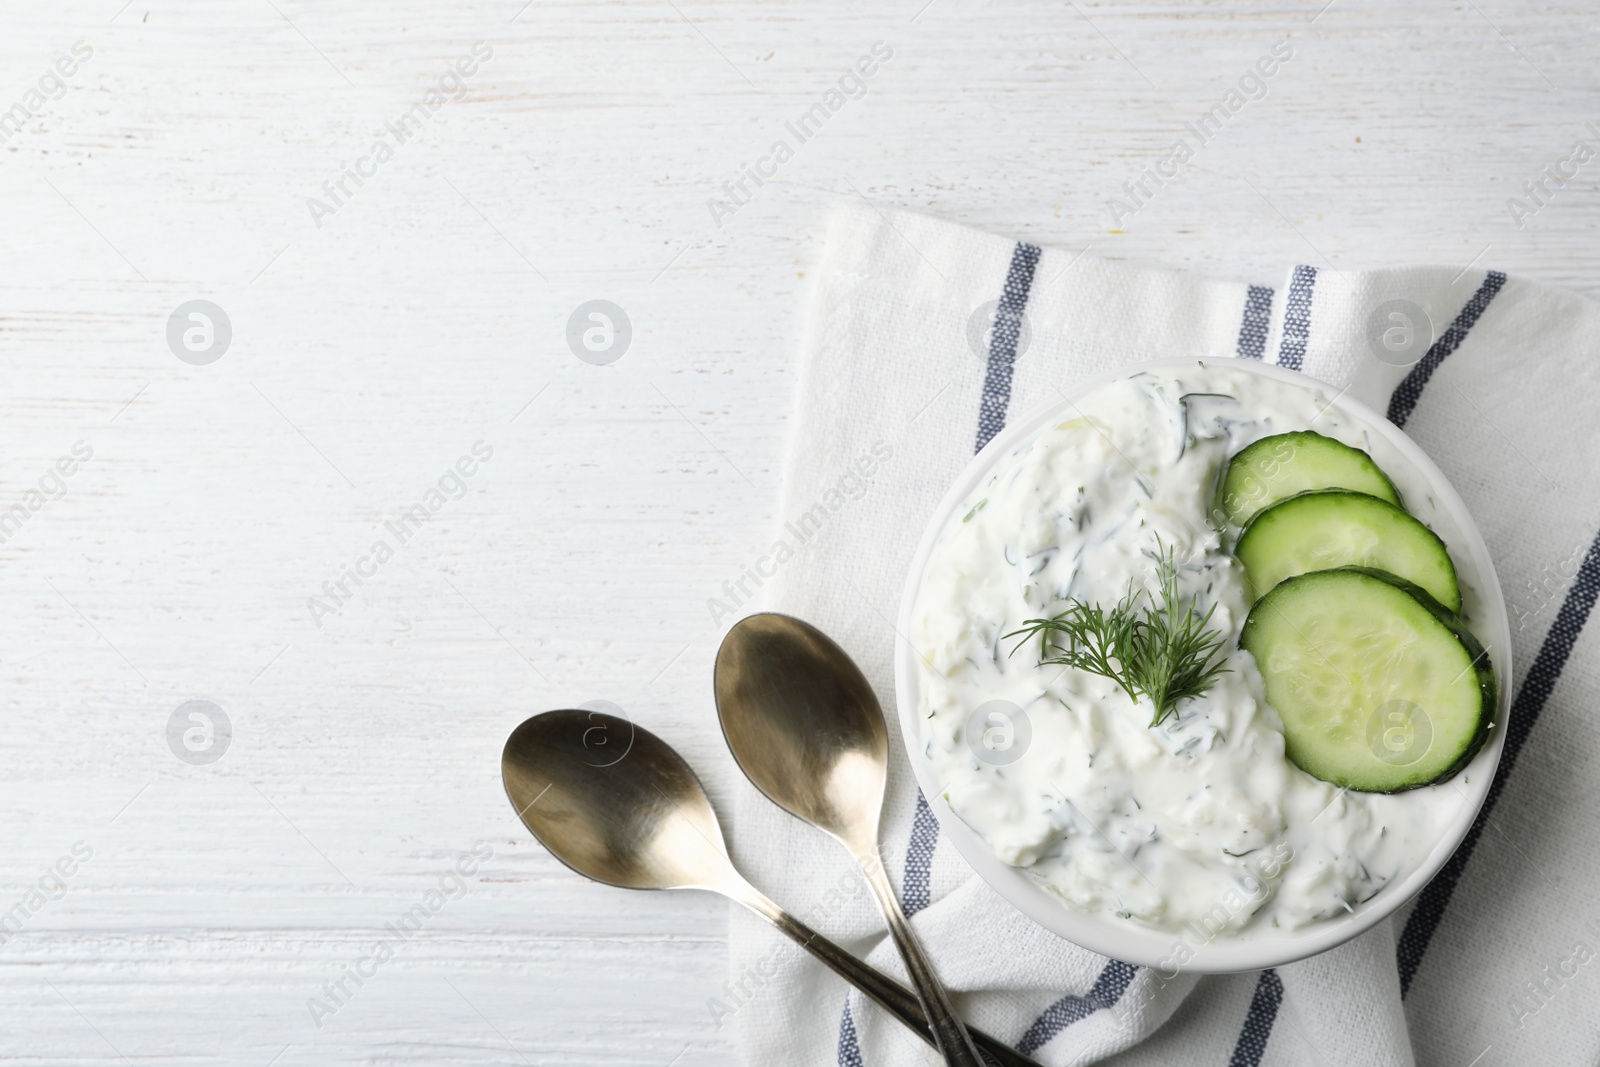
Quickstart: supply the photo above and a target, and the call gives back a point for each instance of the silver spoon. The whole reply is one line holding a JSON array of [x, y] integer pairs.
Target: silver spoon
[[617, 804], [806, 729]]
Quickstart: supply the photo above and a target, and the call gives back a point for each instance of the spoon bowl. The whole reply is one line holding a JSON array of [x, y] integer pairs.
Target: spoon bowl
[[636, 820], [804, 724]]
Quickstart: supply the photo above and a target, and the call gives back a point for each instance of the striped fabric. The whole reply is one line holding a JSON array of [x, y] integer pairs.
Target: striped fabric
[[1257, 322], [1406, 395], [1105, 993], [1258, 1021], [1297, 318], [1003, 344], [1479, 964]]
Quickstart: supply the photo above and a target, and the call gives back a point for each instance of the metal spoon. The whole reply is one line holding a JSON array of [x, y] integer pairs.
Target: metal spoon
[[806, 728], [617, 804]]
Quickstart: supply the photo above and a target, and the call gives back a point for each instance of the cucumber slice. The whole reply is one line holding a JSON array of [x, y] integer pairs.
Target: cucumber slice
[[1379, 687], [1278, 467], [1337, 528]]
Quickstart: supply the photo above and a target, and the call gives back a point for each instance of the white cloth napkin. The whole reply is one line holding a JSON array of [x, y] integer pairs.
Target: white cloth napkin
[[1495, 961]]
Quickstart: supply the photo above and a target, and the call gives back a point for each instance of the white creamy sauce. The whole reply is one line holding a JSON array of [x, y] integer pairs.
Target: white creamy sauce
[[1200, 823]]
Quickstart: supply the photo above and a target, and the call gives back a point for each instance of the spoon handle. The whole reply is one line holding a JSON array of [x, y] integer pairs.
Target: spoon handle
[[882, 990], [949, 1033]]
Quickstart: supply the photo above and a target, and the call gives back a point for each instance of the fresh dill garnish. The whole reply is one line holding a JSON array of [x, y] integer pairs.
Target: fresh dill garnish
[[1165, 652]]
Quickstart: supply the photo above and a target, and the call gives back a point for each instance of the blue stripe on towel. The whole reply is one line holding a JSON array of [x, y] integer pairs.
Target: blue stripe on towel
[[1409, 391], [916, 886], [1003, 343], [1530, 701], [1297, 318], [1105, 992], [1257, 318], [849, 1042], [1253, 1037], [915, 892]]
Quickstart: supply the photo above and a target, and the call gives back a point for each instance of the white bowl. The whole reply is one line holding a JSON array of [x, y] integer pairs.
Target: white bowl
[[1437, 504]]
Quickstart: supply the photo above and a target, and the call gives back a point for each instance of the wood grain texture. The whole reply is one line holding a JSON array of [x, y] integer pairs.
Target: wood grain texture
[[429, 313]]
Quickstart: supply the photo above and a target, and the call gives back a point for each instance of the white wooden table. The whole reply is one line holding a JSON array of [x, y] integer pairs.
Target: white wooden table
[[378, 337]]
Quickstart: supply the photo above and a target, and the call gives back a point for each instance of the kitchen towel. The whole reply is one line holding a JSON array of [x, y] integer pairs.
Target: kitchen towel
[[923, 339]]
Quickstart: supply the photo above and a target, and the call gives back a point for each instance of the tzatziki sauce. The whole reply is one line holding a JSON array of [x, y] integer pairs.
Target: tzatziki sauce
[[1197, 824]]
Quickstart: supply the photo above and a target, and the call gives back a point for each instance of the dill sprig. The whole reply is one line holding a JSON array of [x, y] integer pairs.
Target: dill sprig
[[1166, 652]]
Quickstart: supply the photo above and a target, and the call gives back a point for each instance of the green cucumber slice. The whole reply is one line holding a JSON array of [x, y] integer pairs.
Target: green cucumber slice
[[1286, 464], [1331, 528], [1379, 687]]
